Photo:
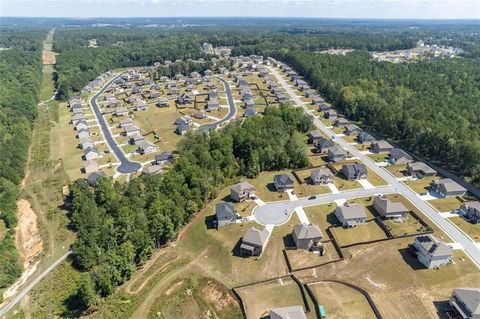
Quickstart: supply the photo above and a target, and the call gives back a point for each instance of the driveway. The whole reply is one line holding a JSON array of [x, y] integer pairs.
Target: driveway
[[231, 113], [126, 166], [471, 248]]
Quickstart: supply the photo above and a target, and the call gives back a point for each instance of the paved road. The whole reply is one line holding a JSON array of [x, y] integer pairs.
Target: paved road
[[456, 234], [231, 113], [21, 294], [277, 213], [126, 166]]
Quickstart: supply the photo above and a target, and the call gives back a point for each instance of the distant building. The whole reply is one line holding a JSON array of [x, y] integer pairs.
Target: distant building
[[335, 154], [291, 312], [471, 211], [398, 156], [323, 144], [354, 171], [420, 170], [381, 147], [321, 176]]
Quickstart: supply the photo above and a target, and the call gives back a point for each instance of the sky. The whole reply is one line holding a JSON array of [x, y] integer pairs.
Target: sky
[[384, 9]]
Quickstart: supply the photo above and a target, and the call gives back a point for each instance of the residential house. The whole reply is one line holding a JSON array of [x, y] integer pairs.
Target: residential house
[[90, 153], [290, 312], [154, 94], [432, 252], [200, 114], [352, 130], [420, 170], [331, 115], [321, 176], [447, 187], [81, 125], [90, 166], [83, 133], [121, 111], [381, 147], [78, 117], [388, 209], [125, 122], [314, 136], [184, 99], [283, 182], [364, 137], [183, 120], [146, 147], [471, 211], [335, 154], [316, 100], [250, 111], [307, 236], [340, 122], [323, 144], [182, 129], [137, 139], [163, 158], [213, 105], [86, 144], [94, 177], [351, 215], [162, 102], [130, 130], [141, 106], [354, 171], [241, 191], [398, 157], [254, 242], [225, 214], [464, 304]]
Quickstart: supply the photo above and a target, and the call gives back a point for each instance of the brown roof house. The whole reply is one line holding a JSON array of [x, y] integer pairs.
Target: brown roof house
[[471, 211], [314, 136], [420, 169], [464, 304], [388, 209], [381, 147], [241, 191], [447, 187], [254, 242], [283, 182], [225, 214], [307, 236], [321, 176], [352, 130], [432, 252], [398, 156], [290, 312], [351, 215]]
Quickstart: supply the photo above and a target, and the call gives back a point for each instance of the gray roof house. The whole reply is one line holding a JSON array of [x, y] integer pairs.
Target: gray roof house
[[83, 133], [182, 129], [321, 176], [95, 176], [90, 166], [314, 136], [365, 137], [146, 147], [388, 209], [213, 105], [323, 144], [420, 169], [250, 111], [86, 144], [183, 120], [471, 211], [331, 115], [254, 242], [121, 111], [464, 304], [307, 236], [162, 102], [354, 171], [241, 191], [351, 215], [90, 153], [81, 125], [290, 312], [125, 122], [137, 139], [381, 147], [336, 154], [130, 130], [283, 182], [225, 214], [398, 156], [163, 158], [432, 252], [340, 122], [447, 187], [352, 130]]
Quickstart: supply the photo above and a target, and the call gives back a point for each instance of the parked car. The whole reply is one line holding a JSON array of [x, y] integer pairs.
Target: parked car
[[312, 197]]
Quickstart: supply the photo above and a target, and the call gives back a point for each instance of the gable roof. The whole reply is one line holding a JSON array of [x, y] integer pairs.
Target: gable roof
[[304, 231], [256, 236], [433, 245], [290, 312], [322, 171], [450, 185], [387, 206], [383, 144], [397, 153], [421, 166], [470, 297], [225, 210], [283, 179], [242, 186], [352, 211]]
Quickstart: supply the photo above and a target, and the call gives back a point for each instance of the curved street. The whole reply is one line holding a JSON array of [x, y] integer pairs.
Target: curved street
[[126, 166], [231, 113]]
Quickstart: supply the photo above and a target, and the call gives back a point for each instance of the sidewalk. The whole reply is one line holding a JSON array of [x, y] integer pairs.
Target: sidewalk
[[365, 184], [291, 195], [302, 216]]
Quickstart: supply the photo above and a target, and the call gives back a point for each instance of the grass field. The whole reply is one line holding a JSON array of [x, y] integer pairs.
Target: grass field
[[420, 185], [341, 301], [410, 225], [381, 157], [343, 184], [472, 230], [362, 233], [396, 170], [300, 258], [265, 189], [375, 179], [445, 204], [317, 160]]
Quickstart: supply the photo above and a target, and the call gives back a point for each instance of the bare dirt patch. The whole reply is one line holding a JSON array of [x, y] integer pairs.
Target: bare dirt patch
[[27, 234]]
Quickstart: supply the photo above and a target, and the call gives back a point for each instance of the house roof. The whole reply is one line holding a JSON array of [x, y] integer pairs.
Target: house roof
[[250, 111], [433, 245], [131, 128], [324, 142], [450, 185], [352, 127], [164, 156], [420, 166], [470, 297], [291, 312], [225, 210], [126, 121], [90, 163], [336, 151], [242, 186], [93, 177], [256, 236], [473, 205], [90, 150], [352, 211], [383, 144], [304, 231], [146, 144], [121, 110], [322, 171], [138, 138], [366, 136], [397, 153], [389, 207], [357, 169], [315, 134], [283, 179]]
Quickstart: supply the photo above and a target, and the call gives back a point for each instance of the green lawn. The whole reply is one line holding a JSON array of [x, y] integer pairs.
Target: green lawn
[[378, 157], [420, 185], [375, 179], [410, 225], [397, 170], [361, 233], [265, 189], [444, 205], [472, 230]]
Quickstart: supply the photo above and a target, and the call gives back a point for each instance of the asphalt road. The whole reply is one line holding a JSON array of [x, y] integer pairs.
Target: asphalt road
[[25, 290], [456, 234], [231, 113], [126, 166]]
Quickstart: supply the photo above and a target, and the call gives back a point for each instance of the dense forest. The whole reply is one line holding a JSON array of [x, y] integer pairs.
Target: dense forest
[[431, 108], [21, 73], [118, 227]]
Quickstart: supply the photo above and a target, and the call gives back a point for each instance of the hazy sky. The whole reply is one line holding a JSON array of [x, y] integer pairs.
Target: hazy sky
[[404, 9]]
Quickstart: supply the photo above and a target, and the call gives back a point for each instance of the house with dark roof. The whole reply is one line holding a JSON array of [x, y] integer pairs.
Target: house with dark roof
[[146, 147], [398, 156], [182, 129], [94, 177], [420, 170], [162, 102], [388, 209], [352, 130], [340, 122], [314, 136], [241, 191], [183, 120], [464, 303], [447, 187], [381, 146], [307, 236], [137, 139], [471, 211], [330, 115], [184, 99], [225, 214], [365, 137], [254, 242], [351, 215], [283, 182], [250, 111], [163, 158], [354, 171], [290, 312], [432, 252], [321, 175], [336, 154], [323, 144]]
